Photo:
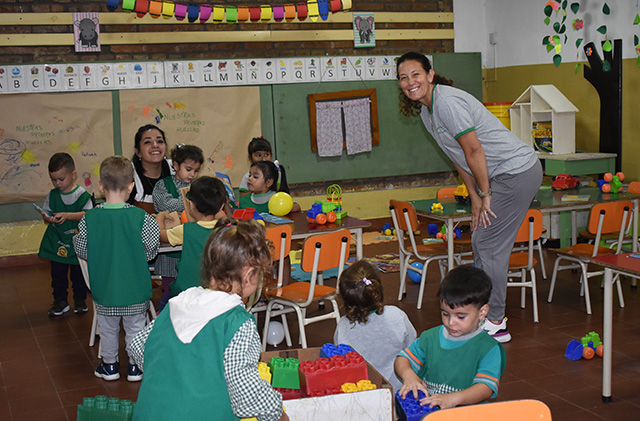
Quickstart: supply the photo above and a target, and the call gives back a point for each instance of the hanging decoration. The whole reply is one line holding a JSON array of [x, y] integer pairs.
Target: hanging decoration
[[205, 13], [636, 41]]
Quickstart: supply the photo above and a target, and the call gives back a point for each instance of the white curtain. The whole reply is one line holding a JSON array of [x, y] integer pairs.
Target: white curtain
[[357, 121], [329, 128]]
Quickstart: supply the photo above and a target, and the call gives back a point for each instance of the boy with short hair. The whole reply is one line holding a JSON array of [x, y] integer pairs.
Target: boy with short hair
[[260, 150], [118, 239], [66, 202], [206, 200], [457, 363]]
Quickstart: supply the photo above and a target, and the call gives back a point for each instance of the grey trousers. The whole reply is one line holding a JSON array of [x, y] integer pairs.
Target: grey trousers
[[110, 334], [510, 199]]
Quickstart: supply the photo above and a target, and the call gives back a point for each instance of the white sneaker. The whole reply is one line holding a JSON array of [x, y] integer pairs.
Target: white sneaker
[[499, 331]]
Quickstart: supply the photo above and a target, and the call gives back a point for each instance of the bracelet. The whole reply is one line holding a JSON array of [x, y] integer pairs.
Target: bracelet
[[484, 193]]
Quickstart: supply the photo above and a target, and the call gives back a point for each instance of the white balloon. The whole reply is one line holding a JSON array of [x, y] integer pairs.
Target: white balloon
[[275, 333]]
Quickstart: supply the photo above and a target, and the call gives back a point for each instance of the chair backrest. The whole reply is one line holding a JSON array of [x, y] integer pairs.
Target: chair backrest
[[330, 250], [84, 268], [396, 207], [280, 236], [634, 187], [613, 213], [521, 410], [523, 231], [446, 193]]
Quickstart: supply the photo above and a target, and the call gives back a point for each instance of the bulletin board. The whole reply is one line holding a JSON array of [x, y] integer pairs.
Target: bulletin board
[[219, 120], [33, 127]]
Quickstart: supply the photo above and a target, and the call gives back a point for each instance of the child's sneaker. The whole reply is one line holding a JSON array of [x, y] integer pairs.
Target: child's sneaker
[[135, 374], [108, 371], [58, 308], [499, 331], [80, 306]]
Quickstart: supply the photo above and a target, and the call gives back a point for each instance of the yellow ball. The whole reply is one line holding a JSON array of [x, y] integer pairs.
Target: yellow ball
[[280, 204]]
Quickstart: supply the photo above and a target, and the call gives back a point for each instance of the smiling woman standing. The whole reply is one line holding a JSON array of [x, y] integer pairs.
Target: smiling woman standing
[[150, 165], [501, 172]]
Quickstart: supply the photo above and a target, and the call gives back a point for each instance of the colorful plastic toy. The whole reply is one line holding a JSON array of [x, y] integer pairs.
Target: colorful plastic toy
[[265, 371], [357, 387], [564, 181], [586, 348], [280, 204], [103, 408], [387, 229], [409, 409], [462, 194], [611, 183], [329, 350], [325, 376], [285, 373], [437, 207], [413, 275], [321, 213], [289, 393], [334, 195]]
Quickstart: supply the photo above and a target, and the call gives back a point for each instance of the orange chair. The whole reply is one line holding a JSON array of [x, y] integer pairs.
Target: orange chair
[[521, 410], [522, 262], [319, 252], [605, 218], [446, 193], [280, 236], [405, 222]]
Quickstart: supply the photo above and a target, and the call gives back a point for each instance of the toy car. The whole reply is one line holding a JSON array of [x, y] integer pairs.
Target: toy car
[[564, 181]]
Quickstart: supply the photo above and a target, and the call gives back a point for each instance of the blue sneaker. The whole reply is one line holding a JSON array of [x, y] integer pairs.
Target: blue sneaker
[[134, 373], [108, 371]]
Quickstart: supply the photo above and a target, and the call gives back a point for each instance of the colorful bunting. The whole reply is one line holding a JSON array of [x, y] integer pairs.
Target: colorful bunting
[[289, 12], [155, 9], [336, 5], [218, 14], [168, 9], [278, 13], [323, 9], [232, 14], [181, 11], [112, 5], [254, 14], [128, 5], [193, 12], [142, 7], [303, 11], [265, 13], [312, 5], [243, 14], [205, 12]]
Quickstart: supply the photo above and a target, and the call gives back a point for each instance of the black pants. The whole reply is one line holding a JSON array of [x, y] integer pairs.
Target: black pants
[[60, 281]]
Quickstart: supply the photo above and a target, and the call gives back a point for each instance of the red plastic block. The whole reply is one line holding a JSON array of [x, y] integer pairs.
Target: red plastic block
[[289, 393], [326, 376], [243, 214]]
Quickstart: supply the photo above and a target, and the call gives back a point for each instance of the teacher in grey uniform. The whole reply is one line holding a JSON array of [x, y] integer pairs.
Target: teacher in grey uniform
[[501, 172]]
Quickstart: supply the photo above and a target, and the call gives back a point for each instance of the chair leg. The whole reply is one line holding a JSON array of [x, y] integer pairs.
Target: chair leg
[[403, 278], [616, 279], [523, 290], [423, 280], [285, 325], [585, 287], [553, 279], [542, 268], [303, 336], [265, 330], [534, 296]]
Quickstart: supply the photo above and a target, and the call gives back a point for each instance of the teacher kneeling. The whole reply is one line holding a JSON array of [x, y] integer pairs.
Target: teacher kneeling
[[150, 165], [501, 172]]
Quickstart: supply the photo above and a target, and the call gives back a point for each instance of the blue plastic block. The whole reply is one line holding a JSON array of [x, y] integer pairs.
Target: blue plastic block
[[329, 350], [102, 408], [409, 409]]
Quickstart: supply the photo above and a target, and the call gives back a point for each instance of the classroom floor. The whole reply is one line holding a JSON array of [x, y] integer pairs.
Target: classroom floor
[[46, 365]]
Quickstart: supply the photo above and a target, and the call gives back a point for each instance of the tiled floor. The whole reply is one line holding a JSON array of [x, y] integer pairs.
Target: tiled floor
[[46, 364]]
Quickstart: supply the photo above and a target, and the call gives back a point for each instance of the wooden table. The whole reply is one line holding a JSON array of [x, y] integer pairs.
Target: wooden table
[[547, 200], [619, 263]]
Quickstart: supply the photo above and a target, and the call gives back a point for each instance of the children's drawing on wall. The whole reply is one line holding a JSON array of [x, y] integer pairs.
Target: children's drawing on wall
[[86, 32], [35, 126], [220, 121], [364, 32]]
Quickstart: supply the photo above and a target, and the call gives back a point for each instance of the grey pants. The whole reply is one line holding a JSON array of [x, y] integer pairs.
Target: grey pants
[[110, 334], [510, 199]]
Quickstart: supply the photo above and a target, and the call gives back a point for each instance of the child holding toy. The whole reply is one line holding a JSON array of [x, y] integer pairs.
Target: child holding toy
[[201, 354], [367, 320], [206, 200], [117, 240], [262, 185], [457, 363], [64, 207], [260, 150]]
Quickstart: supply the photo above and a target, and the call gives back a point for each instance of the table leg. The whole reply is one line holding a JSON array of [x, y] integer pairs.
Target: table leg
[[635, 226], [574, 224], [607, 335], [450, 242], [359, 241]]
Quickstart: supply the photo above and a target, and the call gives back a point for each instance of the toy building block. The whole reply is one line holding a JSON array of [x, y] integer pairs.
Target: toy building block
[[243, 214], [289, 393], [357, 387], [319, 377], [329, 350], [409, 409], [437, 207], [265, 371], [285, 373], [105, 409], [387, 229], [592, 340]]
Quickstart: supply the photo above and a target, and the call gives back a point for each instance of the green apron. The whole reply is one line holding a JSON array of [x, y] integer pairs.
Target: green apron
[[189, 275]]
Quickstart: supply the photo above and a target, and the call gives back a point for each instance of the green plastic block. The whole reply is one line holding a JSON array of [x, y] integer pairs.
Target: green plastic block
[[285, 373], [591, 337], [101, 408]]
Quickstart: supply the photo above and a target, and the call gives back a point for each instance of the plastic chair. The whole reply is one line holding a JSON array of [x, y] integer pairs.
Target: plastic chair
[[405, 222], [446, 193], [521, 410], [605, 218], [95, 328], [280, 236], [522, 262], [319, 252]]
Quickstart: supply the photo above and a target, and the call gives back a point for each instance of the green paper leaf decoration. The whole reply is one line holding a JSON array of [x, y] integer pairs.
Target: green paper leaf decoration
[[550, 47], [564, 17], [563, 29], [602, 29], [564, 4], [575, 7], [556, 39], [565, 39], [606, 66], [546, 21], [545, 41], [578, 67], [605, 9], [578, 42], [635, 40], [606, 46], [637, 19], [548, 10], [556, 26], [557, 59]]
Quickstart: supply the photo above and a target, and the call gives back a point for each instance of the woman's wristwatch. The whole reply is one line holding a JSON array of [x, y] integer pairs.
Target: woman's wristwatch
[[484, 193]]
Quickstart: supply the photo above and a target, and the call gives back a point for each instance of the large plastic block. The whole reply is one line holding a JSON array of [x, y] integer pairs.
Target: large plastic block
[[101, 408], [329, 350], [592, 337], [265, 371], [357, 387], [409, 409], [284, 373], [289, 393], [323, 375]]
